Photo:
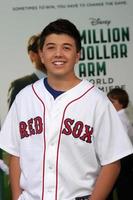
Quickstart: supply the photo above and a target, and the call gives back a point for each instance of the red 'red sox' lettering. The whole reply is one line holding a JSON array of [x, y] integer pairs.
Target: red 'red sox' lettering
[[32, 127], [78, 130]]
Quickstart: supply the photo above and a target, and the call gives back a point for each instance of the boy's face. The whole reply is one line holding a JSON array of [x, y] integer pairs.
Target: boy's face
[[118, 106], [59, 54]]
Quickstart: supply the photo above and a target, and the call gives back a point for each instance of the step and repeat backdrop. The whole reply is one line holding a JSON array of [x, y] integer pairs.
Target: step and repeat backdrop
[[106, 28]]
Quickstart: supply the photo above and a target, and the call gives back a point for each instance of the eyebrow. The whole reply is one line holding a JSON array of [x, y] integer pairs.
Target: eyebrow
[[52, 43]]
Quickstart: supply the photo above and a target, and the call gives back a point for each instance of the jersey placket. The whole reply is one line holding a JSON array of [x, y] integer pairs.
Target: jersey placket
[[52, 137]]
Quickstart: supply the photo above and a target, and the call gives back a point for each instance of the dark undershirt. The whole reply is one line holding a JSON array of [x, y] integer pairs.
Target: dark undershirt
[[53, 92]]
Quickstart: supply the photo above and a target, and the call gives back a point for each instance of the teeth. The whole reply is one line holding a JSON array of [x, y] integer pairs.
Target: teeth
[[59, 63]]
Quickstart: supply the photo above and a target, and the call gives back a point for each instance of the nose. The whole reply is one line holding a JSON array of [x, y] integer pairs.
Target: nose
[[58, 52]]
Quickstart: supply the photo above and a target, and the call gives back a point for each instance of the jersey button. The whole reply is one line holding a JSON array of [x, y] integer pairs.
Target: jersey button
[[50, 167]]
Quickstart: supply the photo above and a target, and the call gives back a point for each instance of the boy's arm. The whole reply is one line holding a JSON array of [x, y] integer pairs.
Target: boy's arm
[[14, 173], [105, 181]]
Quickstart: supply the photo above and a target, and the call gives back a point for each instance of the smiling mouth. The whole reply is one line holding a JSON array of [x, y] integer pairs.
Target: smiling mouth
[[59, 63]]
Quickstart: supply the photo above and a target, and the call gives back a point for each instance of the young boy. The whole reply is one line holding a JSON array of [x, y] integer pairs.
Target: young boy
[[120, 99], [63, 134], [124, 185]]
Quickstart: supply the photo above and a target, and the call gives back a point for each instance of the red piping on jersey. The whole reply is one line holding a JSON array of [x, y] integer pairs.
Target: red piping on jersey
[[56, 191], [43, 141]]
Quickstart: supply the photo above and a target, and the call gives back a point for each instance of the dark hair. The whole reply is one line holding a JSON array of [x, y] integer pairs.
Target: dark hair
[[33, 43], [120, 95], [61, 26]]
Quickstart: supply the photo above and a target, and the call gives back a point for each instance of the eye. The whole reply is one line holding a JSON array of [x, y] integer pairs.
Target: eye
[[66, 47], [50, 47]]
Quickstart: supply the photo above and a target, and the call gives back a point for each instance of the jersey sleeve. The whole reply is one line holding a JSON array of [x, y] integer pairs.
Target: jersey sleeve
[[111, 140], [9, 135]]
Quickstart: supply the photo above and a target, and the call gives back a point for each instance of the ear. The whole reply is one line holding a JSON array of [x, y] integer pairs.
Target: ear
[[41, 55], [32, 56], [121, 105], [77, 57]]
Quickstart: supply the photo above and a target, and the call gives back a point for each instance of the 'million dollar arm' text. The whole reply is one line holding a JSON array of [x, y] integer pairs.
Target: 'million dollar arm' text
[[100, 45]]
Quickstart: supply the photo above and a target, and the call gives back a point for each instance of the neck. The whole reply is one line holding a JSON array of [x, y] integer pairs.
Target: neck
[[61, 84]]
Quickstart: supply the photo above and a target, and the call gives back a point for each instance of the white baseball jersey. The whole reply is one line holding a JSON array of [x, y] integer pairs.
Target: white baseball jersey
[[62, 143]]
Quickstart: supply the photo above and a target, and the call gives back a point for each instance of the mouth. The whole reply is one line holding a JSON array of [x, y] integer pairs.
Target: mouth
[[59, 63]]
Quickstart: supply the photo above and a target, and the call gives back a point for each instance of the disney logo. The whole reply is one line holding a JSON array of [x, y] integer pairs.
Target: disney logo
[[97, 21]]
